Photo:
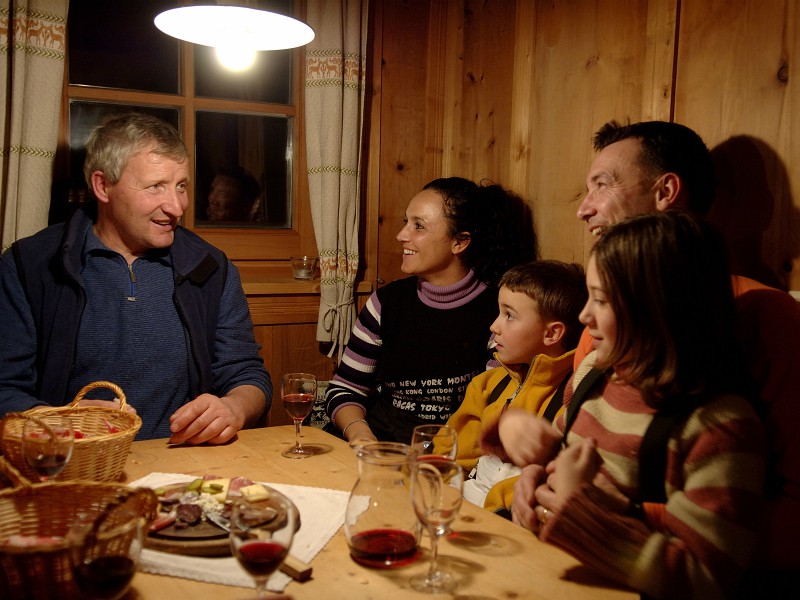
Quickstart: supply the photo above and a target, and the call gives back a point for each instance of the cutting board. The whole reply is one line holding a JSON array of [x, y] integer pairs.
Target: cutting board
[[203, 539]]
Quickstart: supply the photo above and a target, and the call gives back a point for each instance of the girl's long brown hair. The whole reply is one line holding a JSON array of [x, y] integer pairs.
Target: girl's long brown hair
[[667, 278]]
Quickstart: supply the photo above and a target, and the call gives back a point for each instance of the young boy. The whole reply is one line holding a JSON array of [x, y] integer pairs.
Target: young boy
[[535, 336]]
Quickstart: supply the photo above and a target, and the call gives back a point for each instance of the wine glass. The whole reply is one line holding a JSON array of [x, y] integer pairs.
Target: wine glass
[[298, 390], [47, 443], [261, 534], [105, 561], [431, 441], [437, 484], [434, 441]]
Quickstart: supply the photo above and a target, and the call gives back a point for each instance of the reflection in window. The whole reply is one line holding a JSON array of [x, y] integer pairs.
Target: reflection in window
[[243, 170]]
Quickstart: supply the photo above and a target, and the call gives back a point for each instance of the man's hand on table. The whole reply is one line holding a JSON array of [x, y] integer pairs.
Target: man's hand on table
[[214, 420]]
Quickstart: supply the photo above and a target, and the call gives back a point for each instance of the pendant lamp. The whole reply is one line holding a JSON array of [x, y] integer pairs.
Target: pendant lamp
[[234, 30]]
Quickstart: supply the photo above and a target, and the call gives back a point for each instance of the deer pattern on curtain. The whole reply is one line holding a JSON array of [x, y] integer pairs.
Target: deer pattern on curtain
[[32, 47], [334, 108]]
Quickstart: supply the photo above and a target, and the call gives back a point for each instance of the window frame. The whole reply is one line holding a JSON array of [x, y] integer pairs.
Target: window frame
[[241, 243]]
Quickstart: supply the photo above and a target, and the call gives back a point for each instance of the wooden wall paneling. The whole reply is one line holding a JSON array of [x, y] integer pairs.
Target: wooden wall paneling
[[402, 121], [288, 348], [659, 72], [484, 138], [734, 87], [369, 212], [451, 72], [590, 67], [288, 309], [523, 100], [564, 85], [434, 113], [523, 87], [286, 329], [263, 335]]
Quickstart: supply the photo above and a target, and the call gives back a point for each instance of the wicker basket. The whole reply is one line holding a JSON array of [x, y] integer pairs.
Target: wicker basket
[[100, 456], [50, 510]]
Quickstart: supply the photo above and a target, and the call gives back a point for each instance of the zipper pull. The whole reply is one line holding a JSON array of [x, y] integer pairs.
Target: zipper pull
[[510, 399], [132, 291]]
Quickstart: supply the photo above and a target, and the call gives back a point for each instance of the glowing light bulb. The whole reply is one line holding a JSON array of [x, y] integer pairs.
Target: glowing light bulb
[[236, 57]]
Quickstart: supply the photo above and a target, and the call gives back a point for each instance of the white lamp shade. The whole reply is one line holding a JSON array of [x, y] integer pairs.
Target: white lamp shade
[[225, 26]]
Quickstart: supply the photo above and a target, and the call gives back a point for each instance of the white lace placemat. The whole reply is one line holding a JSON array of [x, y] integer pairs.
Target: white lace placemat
[[321, 514]]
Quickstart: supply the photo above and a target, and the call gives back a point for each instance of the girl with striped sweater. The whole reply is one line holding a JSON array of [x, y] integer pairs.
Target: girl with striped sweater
[[661, 315]]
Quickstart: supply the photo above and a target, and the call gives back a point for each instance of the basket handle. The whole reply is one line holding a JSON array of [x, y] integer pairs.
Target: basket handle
[[100, 384], [122, 498], [16, 478]]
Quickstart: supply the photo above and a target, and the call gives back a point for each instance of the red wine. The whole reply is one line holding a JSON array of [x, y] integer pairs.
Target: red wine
[[437, 460], [298, 405], [104, 577], [383, 547], [261, 558], [447, 467], [48, 465]]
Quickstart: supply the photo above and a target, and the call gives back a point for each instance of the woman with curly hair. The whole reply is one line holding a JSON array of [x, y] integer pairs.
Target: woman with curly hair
[[419, 340]]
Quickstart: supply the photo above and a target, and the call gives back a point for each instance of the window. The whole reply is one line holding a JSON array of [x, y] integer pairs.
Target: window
[[240, 128]]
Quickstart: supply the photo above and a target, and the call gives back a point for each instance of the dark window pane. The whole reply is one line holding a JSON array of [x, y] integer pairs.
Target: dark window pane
[[114, 44], [268, 80], [243, 170]]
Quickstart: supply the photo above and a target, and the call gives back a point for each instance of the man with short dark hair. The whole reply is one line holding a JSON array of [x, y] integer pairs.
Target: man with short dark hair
[[655, 166]]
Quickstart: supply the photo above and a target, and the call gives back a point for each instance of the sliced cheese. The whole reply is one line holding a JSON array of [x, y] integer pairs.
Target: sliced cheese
[[216, 488], [254, 493]]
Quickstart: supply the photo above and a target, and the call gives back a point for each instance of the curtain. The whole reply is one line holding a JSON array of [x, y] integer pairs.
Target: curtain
[[32, 48], [334, 111]]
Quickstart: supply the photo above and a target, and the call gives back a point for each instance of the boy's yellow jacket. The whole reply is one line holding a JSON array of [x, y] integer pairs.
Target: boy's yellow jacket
[[532, 394]]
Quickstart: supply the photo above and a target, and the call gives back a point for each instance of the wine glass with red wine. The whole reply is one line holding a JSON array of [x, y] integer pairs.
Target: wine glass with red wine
[[298, 390], [434, 441], [436, 489], [47, 443], [261, 535], [106, 560]]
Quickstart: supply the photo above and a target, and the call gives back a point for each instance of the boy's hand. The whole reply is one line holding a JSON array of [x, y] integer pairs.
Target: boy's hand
[[527, 439]]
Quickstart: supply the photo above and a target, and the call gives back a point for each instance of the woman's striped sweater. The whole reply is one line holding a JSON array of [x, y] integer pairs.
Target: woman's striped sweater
[[412, 353]]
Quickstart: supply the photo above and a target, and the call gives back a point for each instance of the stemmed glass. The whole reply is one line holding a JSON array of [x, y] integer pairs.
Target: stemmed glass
[[105, 561], [261, 535], [431, 441], [298, 390], [47, 443], [434, 440], [437, 484]]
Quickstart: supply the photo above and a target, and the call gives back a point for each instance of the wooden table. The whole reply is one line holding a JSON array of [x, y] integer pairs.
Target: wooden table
[[492, 557]]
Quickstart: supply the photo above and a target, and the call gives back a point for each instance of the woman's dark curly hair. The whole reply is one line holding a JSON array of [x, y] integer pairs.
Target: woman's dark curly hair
[[498, 223]]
